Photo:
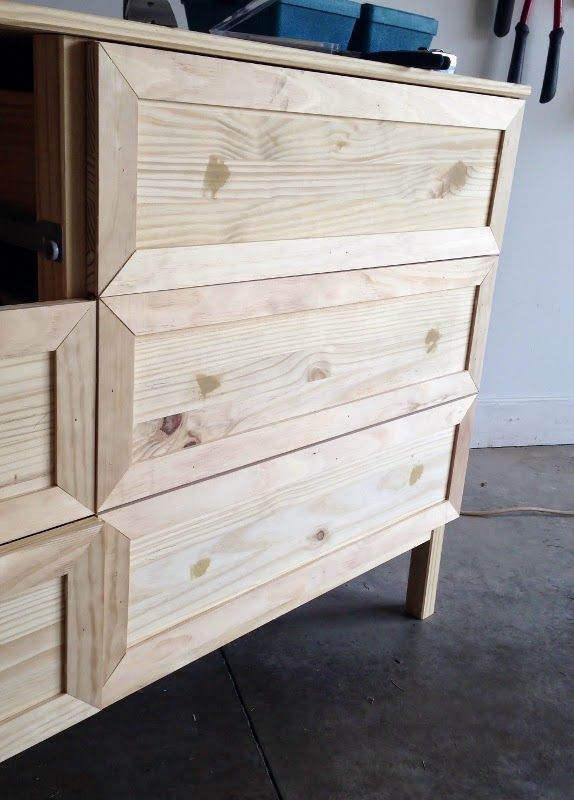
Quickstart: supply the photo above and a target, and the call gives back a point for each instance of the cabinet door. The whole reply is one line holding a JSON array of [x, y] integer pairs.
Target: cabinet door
[[56, 649], [194, 382], [207, 171], [47, 415]]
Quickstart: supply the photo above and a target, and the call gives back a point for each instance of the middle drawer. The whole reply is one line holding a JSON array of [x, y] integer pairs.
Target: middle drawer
[[195, 382]]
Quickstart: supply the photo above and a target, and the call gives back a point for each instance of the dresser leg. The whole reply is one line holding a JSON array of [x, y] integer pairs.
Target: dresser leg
[[423, 576]]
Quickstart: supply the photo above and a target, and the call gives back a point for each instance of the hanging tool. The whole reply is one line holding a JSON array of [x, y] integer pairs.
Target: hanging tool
[[502, 25]]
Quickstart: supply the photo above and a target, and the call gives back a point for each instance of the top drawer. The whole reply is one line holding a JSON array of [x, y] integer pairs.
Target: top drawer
[[210, 171]]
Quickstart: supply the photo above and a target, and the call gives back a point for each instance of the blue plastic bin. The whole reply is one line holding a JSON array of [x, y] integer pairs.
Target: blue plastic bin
[[313, 20], [382, 28]]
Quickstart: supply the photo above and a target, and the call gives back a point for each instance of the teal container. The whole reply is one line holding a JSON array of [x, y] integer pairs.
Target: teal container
[[382, 28], [330, 21]]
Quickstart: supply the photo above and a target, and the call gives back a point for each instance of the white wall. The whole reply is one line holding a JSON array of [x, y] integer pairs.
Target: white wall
[[528, 386]]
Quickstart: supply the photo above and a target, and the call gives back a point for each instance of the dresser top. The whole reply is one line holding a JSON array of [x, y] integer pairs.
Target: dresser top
[[38, 19]]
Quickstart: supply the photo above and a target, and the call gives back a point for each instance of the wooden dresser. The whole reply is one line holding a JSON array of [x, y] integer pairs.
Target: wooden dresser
[[252, 374]]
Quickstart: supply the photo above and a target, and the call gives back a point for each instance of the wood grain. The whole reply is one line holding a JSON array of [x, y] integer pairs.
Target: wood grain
[[31, 647], [17, 171], [112, 156], [179, 267], [182, 78], [38, 511], [229, 378], [209, 175], [505, 174], [116, 598], [460, 455], [115, 407], [423, 575], [26, 424], [172, 649], [155, 312], [39, 327], [76, 411], [59, 102], [480, 324], [195, 463], [19, 16]]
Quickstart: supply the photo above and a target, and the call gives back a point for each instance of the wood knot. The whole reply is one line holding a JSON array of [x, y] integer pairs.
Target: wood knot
[[416, 474], [318, 372], [192, 440], [432, 339], [320, 535], [170, 424]]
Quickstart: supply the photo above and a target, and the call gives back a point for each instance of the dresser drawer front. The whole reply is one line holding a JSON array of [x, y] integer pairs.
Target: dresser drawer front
[[221, 538], [198, 381], [213, 171]]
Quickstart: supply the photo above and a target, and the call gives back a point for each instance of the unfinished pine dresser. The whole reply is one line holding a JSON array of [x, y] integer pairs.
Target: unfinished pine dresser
[[243, 366]]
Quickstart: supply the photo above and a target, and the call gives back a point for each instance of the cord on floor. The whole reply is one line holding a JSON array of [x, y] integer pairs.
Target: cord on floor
[[499, 512]]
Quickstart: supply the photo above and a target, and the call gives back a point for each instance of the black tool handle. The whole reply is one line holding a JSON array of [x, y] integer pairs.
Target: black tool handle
[[503, 19], [423, 59], [552, 62], [517, 60]]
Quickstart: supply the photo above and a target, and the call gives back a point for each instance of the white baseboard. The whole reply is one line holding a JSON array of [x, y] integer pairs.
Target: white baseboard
[[524, 421]]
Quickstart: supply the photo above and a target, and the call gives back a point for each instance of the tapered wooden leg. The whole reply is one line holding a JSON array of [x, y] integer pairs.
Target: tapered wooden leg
[[423, 576]]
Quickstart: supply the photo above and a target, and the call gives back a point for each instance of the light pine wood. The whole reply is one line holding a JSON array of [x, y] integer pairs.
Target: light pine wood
[[51, 647], [276, 175], [505, 174], [112, 161], [179, 267], [183, 78], [194, 386], [308, 503], [19, 16], [41, 722], [116, 598], [115, 401], [423, 575], [169, 650], [17, 173], [59, 105], [76, 410], [148, 477], [26, 424], [47, 415], [481, 320], [154, 312], [31, 647], [460, 455]]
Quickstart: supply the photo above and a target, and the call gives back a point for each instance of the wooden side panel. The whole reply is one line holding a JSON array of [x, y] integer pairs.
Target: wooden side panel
[[17, 171], [31, 647], [26, 424], [211, 175], [60, 114]]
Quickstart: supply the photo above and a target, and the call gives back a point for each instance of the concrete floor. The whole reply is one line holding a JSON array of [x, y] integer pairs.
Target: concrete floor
[[348, 699]]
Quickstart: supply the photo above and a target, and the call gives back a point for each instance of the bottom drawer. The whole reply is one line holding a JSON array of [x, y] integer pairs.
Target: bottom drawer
[[210, 561]]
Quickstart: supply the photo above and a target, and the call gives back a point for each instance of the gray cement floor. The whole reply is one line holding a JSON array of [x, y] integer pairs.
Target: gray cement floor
[[348, 699]]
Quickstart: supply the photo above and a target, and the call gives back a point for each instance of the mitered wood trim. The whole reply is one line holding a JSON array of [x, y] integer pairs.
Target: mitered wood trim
[[115, 401], [19, 16], [41, 722], [112, 167], [38, 327], [76, 409], [461, 449], [85, 623], [423, 575], [203, 265], [480, 323], [154, 657], [183, 78], [59, 93], [52, 554], [31, 513], [195, 463], [185, 308], [116, 596], [505, 175]]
